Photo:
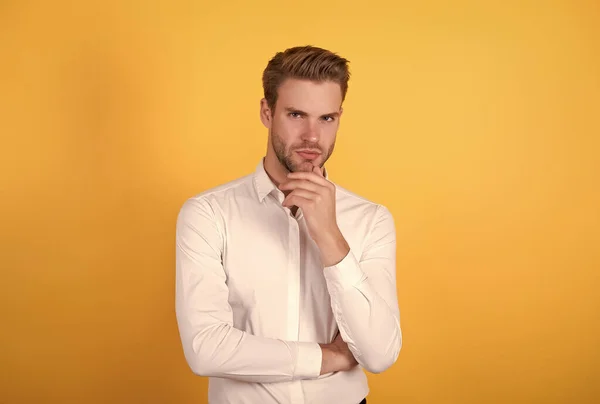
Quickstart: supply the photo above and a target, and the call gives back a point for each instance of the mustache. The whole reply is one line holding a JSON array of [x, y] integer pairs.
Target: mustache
[[308, 146]]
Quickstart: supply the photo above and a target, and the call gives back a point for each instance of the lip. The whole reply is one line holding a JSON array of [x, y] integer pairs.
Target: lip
[[308, 154]]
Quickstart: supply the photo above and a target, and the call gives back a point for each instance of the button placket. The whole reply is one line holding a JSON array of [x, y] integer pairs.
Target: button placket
[[293, 279], [296, 393]]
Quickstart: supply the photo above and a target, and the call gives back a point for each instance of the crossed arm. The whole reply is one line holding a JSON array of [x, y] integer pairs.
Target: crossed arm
[[363, 299]]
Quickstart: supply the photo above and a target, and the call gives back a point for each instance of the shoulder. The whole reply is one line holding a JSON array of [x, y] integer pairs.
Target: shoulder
[[210, 202], [361, 215], [349, 200]]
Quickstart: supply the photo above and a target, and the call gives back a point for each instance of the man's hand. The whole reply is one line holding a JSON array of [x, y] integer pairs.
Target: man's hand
[[315, 195], [337, 357]]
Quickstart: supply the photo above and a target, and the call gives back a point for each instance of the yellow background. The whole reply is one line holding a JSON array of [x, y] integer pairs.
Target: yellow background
[[476, 123]]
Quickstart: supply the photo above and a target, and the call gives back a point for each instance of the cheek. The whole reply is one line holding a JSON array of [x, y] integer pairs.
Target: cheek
[[287, 131], [328, 135]]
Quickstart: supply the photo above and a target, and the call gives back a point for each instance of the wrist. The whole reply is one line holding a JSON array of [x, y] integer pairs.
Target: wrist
[[333, 247]]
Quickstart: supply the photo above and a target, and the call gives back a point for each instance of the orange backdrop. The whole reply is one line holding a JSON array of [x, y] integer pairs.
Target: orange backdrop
[[476, 123]]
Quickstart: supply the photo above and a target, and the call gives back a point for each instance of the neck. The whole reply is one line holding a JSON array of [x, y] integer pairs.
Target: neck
[[277, 173], [275, 170]]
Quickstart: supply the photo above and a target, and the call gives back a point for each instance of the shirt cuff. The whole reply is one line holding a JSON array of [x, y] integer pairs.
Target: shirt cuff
[[308, 360], [345, 274]]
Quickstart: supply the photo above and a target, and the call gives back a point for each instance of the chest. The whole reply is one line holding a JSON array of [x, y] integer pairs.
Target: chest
[[270, 257]]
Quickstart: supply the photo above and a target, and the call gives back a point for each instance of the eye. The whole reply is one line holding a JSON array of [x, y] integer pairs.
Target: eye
[[295, 114], [328, 118]]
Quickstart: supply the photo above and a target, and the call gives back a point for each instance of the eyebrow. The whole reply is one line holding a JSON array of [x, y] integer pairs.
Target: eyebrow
[[297, 111]]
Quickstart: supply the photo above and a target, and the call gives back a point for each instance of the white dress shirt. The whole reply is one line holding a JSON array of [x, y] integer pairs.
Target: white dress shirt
[[253, 300]]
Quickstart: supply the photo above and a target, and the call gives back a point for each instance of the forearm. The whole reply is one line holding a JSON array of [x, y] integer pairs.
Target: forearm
[[363, 294], [224, 351], [368, 324], [211, 344]]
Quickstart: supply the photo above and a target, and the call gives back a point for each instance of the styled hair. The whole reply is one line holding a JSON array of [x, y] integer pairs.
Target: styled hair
[[305, 63]]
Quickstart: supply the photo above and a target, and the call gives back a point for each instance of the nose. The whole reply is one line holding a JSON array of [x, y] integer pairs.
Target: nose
[[311, 131]]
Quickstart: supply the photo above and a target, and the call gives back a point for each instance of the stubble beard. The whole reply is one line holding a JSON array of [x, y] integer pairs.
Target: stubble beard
[[286, 159]]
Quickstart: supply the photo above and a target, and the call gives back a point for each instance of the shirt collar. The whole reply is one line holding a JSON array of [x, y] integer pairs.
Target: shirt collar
[[262, 182]]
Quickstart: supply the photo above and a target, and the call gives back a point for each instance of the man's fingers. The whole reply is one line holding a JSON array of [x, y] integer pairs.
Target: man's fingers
[[310, 176], [297, 184], [297, 200], [302, 193]]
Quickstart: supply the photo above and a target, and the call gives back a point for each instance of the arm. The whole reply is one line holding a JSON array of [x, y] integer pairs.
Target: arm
[[363, 294], [337, 356], [211, 345]]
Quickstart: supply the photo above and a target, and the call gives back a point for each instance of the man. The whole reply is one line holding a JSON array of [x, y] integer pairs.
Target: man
[[285, 282]]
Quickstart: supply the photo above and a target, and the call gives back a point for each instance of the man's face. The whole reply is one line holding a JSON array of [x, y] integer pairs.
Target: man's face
[[304, 124]]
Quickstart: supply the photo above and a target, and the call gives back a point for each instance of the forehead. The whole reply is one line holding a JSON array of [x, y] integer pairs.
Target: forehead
[[309, 96]]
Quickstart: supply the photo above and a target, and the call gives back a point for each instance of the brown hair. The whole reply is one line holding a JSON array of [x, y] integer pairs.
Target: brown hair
[[304, 62]]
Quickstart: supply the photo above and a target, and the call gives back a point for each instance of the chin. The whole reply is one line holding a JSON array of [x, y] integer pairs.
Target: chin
[[306, 166]]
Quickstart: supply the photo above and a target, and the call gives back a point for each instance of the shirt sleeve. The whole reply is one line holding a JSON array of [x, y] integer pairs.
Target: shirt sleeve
[[211, 345], [364, 297]]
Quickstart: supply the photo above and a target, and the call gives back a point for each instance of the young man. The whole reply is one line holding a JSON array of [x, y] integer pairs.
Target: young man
[[286, 282]]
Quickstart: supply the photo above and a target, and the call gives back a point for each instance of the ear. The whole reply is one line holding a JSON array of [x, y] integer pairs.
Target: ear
[[341, 111], [265, 113]]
